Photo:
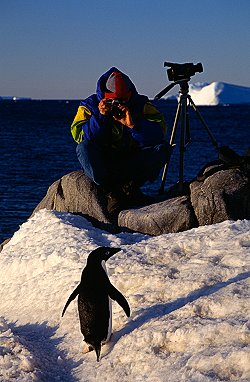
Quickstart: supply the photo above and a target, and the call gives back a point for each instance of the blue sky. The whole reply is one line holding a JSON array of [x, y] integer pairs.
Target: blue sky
[[56, 49]]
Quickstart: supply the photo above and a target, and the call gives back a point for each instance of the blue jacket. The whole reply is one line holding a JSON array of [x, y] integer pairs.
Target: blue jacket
[[90, 124]]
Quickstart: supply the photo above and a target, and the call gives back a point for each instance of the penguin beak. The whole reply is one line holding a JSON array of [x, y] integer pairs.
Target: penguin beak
[[110, 252]]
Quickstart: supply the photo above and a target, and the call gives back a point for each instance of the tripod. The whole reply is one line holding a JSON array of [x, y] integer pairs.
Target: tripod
[[182, 117]]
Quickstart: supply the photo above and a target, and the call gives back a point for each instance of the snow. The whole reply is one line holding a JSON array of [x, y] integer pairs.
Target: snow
[[218, 93], [188, 294]]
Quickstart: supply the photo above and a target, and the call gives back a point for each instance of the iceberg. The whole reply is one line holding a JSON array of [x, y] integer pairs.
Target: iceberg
[[11, 98], [217, 93]]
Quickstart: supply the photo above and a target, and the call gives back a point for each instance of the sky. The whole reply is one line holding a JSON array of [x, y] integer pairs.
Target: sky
[[188, 294], [57, 49]]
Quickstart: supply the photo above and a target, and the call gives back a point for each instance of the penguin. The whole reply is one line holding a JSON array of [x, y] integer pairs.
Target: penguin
[[95, 292]]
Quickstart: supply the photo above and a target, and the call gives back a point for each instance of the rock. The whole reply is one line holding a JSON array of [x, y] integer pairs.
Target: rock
[[220, 192], [173, 215], [224, 195], [4, 243], [77, 194]]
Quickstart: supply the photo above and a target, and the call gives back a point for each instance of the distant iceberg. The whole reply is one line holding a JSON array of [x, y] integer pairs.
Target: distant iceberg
[[11, 98], [6, 98], [217, 93]]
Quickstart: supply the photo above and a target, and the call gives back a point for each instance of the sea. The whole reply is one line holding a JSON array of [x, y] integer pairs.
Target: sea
[[36, 148]]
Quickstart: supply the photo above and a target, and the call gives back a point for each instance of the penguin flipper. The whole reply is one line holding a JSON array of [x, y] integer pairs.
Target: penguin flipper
[[118, 297], [71, 298]]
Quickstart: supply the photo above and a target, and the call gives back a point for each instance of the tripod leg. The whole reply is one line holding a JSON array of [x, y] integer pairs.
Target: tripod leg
[[171, 142], [176, 120], [204, 123], [184, 123], [187, 132]]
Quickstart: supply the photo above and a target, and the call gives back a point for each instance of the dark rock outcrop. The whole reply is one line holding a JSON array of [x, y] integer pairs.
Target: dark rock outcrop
[[225, 195], [173, 215], [77, 194], [219, 193]]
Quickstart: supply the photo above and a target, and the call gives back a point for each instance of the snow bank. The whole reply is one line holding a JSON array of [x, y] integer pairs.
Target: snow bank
[[16, 362], [188, 293], [218, 93]]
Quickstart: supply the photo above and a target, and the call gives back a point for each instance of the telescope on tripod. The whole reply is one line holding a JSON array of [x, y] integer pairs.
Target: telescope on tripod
[[181, 75]]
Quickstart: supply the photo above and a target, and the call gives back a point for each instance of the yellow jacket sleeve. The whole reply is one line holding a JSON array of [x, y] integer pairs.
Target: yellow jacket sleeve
[[82, 116], [151, 113]]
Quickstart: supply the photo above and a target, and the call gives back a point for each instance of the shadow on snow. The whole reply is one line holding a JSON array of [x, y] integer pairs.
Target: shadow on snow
[[160, 310], [50, 363]]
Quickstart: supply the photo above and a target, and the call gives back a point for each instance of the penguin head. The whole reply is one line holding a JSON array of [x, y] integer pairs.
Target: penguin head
[[101, 253]]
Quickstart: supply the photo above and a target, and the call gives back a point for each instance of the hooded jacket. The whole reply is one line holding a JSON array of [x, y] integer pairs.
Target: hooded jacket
[[90, 124]]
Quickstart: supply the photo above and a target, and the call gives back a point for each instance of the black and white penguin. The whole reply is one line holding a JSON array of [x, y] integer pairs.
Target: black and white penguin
[[94, 305]]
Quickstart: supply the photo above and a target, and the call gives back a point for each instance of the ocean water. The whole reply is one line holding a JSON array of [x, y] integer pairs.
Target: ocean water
[[36, 149]]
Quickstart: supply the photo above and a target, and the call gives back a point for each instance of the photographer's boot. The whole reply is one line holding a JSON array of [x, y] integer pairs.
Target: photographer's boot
[[116, 202], [135, 196]]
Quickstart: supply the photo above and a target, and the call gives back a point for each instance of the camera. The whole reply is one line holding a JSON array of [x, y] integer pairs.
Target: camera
[[179, 72], [114, 109]]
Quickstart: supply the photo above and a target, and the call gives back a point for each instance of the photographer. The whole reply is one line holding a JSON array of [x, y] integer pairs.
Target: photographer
[[120, 137]]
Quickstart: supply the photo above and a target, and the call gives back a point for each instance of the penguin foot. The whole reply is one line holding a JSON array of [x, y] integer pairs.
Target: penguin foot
[[105, 342], [87, 349]]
